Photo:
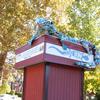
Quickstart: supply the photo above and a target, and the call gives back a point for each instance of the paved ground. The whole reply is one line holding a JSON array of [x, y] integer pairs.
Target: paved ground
[[9, 97]]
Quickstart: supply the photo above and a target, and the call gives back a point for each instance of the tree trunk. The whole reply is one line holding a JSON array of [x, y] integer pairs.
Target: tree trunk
[[2, 61]]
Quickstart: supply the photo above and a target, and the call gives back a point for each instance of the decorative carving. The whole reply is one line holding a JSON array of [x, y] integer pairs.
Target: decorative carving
[[44, 26]]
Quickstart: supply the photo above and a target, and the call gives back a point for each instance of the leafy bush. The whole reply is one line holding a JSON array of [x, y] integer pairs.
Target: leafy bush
[[5, 88], [98, 95], [19, 94], [12, 92]]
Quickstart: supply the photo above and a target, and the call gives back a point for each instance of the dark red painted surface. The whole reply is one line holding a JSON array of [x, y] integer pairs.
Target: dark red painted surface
[[70, 45], [64, 83], [27, 46], [31, 61], [56, 82], [50, 39], [34, 82], [59, 60]]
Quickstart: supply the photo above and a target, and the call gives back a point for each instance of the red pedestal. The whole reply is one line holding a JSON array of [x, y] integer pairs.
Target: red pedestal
[[47, 81], [49, 71]]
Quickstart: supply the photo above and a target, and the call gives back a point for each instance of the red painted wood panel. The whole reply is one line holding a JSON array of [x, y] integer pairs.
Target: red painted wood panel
[[53, 40], [33, 82], [50, 39], [27, 46], [64, 83], [60, 60], [30, 61]]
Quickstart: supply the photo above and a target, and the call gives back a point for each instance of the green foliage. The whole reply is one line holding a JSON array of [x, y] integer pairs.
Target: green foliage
[[5, 88], [19, 94], [83, 16], [92, 81], [98, 95], [12, 92]]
